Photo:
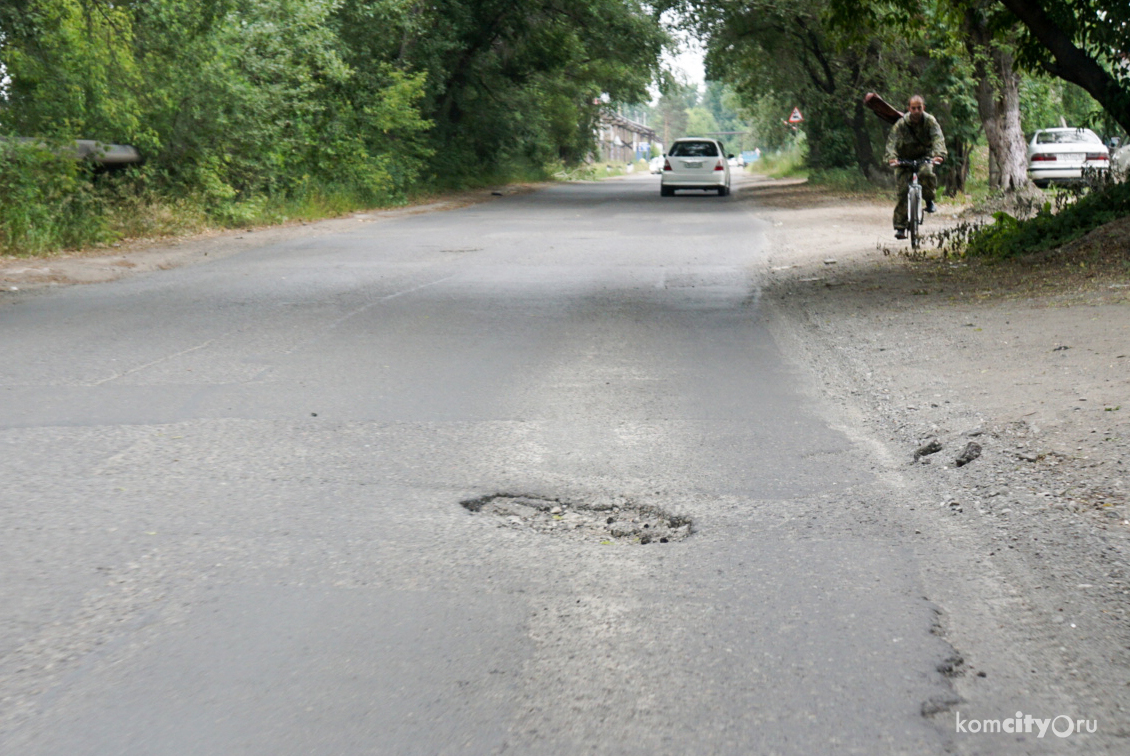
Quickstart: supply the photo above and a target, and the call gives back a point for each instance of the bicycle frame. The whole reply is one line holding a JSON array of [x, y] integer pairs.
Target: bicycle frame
[[915, 212]]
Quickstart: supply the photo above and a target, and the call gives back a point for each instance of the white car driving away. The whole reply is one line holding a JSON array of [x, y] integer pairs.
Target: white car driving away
[[1061, 155], [695, 163]]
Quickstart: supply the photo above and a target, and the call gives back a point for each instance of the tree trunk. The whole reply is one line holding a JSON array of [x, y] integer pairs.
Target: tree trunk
[[864, 151], [998, 102], [865, 158], [999, 105]]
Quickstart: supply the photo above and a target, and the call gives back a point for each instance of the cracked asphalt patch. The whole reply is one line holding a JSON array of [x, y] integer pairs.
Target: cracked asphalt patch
[[605, 520]]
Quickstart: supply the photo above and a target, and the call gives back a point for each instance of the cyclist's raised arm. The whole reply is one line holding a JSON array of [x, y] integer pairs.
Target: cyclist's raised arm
[[891, 154]]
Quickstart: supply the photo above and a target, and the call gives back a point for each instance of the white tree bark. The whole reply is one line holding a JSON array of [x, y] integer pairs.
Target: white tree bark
[[998, 103]]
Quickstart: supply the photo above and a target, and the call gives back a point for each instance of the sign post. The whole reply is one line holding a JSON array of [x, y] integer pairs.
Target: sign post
[[795, 116]]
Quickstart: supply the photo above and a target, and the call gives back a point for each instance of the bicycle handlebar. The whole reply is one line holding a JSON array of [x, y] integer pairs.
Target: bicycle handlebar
[[916, 163]]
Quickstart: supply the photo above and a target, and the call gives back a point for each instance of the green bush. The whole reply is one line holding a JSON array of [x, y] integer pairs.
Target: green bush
[[47, 201], [790, 162], [1009, 237]]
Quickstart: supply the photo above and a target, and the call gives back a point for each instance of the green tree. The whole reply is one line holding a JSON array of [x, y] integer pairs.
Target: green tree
[[1085, 42], [700, 122], [514, 81], [788, 49], [237, 102], [1080, 41], [671, 112], [1045, 100], [71, 68], [729, 113]]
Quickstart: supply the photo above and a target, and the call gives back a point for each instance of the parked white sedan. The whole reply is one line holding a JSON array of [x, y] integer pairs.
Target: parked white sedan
[[695, 163], [1061, 155]]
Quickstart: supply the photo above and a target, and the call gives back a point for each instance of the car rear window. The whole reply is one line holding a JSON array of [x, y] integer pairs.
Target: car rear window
[[694, 149], [1067, 137]]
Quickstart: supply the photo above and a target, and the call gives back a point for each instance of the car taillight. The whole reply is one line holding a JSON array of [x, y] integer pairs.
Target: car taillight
[[1097, 156], [719, 166], [1038, 158], [666, 164]]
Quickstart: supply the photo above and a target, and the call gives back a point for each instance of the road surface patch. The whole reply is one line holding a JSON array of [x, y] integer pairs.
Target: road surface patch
[[605, 521]]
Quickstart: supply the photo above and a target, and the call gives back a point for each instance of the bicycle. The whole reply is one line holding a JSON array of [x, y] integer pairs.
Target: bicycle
[[915, 210]]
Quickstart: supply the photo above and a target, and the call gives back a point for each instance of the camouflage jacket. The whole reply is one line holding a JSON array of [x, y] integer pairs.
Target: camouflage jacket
[[910, 142]]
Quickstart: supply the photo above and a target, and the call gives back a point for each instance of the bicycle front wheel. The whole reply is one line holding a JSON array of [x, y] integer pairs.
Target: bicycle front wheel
[[913, 214]]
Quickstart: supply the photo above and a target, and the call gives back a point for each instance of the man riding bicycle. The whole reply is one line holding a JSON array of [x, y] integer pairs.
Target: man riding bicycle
[[916, 136]]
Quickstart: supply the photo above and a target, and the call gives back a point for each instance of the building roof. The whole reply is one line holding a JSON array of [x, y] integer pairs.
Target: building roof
[[615, 119]]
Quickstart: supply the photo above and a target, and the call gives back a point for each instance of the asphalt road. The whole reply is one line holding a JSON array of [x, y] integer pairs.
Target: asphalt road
[[232, 521]]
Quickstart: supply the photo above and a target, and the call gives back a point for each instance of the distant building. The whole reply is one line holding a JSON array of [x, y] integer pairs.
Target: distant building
[[622, 140]]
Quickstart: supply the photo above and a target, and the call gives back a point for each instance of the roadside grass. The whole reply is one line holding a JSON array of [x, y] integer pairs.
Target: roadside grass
[[597, 170], [112, 216], [511, 172], [152, 217], [49, 205], [848, 181], [788, 163]]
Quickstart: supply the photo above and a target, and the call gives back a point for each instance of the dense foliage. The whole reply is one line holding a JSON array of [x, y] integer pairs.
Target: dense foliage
[[245, 108], [1085, 42], [781, 54], [46, 201], [824, 55]]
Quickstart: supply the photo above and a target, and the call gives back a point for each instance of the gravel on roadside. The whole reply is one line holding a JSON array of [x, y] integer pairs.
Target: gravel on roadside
[[1028, 365]]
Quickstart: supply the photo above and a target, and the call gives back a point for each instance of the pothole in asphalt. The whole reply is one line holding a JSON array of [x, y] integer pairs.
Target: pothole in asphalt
[[603, 521]]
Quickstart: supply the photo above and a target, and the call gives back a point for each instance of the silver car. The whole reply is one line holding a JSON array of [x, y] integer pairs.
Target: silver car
[[1061, 155], [695, 163]]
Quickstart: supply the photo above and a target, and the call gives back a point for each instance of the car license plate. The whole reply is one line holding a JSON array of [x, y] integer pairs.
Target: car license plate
[[692, 163], [1072, 158]]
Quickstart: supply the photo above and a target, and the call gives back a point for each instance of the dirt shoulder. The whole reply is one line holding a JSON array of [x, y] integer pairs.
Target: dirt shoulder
[[1029, 362], [956, 346], [130, 257]]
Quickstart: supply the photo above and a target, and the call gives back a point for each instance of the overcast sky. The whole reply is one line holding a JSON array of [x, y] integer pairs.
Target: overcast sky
[[690, 62]]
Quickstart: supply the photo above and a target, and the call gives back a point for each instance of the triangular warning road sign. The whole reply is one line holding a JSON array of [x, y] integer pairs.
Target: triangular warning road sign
[[796, 117]]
